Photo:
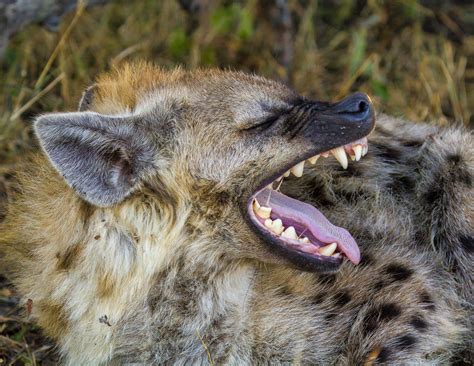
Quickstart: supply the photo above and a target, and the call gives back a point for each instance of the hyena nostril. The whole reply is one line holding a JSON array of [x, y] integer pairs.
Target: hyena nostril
[[363, 106]]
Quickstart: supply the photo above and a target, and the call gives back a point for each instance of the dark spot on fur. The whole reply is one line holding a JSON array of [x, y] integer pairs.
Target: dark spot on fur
[[317, 299], [327, 279], [366, 260], [454, 158], [433, 195], [467, 243], [379, 285], [353, 170], [418, 323], [97, 237], [389, 311], [465, 178], [330, 316], [285, 291], [402, 184], [342, 298], [389, 154], [425, 299], [67, 259], [405, 342], [412, 143], [384, 312], [383, 355], [370, 324], [399, 272]]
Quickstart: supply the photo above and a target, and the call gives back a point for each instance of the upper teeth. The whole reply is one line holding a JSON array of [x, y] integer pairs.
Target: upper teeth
[[314, 159], [357, 151], [297, 170], [340, 156]]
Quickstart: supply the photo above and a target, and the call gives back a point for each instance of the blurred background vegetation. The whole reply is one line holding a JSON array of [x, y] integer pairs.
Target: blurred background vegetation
[[415, 58]]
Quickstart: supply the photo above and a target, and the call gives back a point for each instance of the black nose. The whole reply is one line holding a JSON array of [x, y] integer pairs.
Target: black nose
[[356, 107]]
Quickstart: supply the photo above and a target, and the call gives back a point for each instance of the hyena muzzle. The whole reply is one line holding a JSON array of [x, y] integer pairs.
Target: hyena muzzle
[[169, 222]]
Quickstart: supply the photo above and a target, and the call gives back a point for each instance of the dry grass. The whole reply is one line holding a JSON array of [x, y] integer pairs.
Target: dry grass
[[414, 61]]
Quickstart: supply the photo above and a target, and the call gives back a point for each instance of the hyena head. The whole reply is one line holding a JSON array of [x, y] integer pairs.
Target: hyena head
[[213, 141]]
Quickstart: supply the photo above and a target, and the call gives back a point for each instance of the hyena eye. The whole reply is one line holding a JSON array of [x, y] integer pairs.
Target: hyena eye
[[266, 122]]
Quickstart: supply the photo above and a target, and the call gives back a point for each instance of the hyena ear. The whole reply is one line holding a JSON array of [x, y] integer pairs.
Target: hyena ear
[[101, 157]]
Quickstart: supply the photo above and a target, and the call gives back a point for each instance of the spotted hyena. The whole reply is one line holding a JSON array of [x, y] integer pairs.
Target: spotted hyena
[[217, 217]]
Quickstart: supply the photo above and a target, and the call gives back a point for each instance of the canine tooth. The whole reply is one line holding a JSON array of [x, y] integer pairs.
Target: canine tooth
[[256, 205], [313, 159], [357, 151], [264, 212], [328, 250], [297, 170], [340, 156], [290, 233], [287, 174]]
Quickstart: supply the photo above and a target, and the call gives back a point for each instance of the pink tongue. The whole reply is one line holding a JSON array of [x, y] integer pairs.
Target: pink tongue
[[296, 213]]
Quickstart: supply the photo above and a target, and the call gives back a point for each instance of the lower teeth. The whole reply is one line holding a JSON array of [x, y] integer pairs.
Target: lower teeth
[[276, 227]]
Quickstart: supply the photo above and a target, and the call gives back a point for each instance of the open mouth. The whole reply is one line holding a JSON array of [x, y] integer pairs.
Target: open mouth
[[299, 228]]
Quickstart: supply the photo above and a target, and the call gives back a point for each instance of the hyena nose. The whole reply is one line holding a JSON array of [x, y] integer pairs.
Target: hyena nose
[[355, 108]]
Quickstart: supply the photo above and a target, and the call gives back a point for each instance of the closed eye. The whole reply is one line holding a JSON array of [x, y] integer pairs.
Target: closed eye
[[267, 122]]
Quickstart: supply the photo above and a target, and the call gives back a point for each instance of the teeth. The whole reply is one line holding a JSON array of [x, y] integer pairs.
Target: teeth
[[290, 233], [365, 150], [304, 240], [279, 178], [297, 170], [256, 205], [274, 226], [340, 156], [336, 255], [287, 174], [325, 154], [270, 186], [261, 211], [328, 250], [314, 159], [357, 151], [352, 157]]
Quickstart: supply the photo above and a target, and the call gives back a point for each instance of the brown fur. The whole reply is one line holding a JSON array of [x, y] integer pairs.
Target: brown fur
[[180, 277]]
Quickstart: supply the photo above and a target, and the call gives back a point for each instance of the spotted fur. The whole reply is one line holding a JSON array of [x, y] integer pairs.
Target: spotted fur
[[173, 275]]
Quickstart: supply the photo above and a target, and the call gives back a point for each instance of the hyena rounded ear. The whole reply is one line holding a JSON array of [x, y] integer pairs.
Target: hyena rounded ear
[[87, 98], [102, 157]]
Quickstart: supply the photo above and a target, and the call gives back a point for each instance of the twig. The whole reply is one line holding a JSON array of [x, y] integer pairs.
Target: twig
[[38, 96], [79, 10], [205, 347]]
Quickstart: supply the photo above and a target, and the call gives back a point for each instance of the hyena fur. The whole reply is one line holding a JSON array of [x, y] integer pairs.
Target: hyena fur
[[128, 234]]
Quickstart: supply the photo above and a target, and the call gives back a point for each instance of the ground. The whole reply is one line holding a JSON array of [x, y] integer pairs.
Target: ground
[[414, 59]]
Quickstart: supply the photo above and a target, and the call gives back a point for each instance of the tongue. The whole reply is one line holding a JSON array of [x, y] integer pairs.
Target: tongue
[[292, 211]]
